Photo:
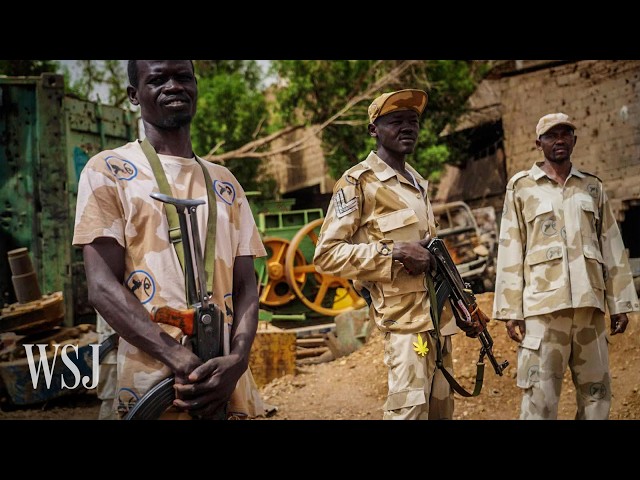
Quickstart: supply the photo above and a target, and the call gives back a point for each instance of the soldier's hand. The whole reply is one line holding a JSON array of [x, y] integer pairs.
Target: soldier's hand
[[414, 256], [210, 386], [619, 323], [514, 335]]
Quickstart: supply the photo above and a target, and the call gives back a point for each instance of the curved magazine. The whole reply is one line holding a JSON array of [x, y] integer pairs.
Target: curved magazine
[[154, 403]]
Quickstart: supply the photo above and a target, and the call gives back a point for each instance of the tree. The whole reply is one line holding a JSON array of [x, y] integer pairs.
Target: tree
[[96, 73], [232, 112], [316, 89]]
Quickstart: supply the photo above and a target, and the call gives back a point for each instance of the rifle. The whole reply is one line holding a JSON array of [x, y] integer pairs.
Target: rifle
[[203, 322], [449, 285]]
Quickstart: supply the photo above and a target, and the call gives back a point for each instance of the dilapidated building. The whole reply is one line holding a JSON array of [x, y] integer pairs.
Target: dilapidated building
[[603, 99]]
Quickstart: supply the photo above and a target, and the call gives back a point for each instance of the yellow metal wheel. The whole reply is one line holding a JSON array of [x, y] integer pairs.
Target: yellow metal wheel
[[277, 291], [346, 297]]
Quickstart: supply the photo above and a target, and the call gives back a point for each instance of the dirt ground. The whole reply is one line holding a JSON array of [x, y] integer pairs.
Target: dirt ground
[[354, 387]]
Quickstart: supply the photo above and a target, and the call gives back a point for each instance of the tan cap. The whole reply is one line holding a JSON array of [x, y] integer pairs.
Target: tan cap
[[547, 122], [408, 99]]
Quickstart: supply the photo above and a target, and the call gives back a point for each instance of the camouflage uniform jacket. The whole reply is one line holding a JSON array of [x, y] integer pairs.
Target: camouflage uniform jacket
[[560, 247], [373, 207]]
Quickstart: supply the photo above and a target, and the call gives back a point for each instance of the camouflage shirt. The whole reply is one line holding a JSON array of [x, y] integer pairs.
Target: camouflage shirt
[[373, 207], [560, 247], [113, 201]]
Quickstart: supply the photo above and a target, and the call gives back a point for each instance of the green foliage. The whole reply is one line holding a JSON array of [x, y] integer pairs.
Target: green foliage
[[232, 108], [231, 113], [27, 67], [316, 89], [248, 69], [94, 73]]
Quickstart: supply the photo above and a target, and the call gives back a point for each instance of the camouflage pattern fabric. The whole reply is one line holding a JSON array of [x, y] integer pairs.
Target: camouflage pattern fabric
[[560, 248], [570, 337], [561, 259], [547, 122], [113, 201], [409, 99], [107, 375], [417, 388], [373, 207]]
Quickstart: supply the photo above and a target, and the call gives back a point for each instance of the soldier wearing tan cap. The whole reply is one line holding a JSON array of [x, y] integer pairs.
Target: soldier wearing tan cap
[[561, 259], [374, 233]]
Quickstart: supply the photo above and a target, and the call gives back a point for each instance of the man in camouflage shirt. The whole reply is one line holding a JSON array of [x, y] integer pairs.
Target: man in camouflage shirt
[[560, 260], [375, 232], [132, 266]]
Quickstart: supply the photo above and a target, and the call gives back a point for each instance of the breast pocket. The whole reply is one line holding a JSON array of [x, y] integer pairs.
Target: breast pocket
[[589, 219], [401, 225], [542, 220], [594, 265], [545, 268]]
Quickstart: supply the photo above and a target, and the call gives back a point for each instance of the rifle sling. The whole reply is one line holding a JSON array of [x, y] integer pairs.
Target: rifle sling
[[175, 235], [436, 308]]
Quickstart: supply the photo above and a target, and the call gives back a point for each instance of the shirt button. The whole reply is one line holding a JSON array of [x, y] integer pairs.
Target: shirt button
[[418, 195]]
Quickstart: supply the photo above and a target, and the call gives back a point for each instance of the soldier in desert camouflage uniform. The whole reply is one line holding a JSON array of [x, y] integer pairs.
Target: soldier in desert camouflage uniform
[[131, 265], [374, 233], [560, 260]]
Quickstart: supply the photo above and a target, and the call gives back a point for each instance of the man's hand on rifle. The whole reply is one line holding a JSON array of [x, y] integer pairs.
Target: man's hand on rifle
[[414, 256], [208, 387], [478, 323]]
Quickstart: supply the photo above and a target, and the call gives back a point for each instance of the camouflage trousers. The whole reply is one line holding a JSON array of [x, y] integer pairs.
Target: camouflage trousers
[[573, 337], [417, 388]]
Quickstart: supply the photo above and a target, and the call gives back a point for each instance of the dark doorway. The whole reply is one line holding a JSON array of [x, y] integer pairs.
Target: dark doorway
[[630, 228]]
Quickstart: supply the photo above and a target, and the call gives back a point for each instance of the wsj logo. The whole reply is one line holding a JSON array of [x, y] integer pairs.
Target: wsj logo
[[43, 365]]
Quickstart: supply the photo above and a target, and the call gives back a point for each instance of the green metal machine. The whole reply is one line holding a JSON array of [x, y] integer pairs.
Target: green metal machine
[[290, 286], [46, 138]]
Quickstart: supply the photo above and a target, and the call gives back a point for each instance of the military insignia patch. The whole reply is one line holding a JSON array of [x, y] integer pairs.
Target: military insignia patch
[[121, 168], [549, 227], [553, 252], [598, 390], [344, 207], [225, 191], [141, 285]]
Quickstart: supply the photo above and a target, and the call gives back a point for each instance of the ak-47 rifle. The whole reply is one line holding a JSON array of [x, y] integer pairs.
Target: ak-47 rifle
[[203, 322], [449, 285]]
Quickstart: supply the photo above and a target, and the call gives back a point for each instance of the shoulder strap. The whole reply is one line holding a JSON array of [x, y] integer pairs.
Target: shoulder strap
[[175, 235], [212, 222], [172, 216], [435, 316]]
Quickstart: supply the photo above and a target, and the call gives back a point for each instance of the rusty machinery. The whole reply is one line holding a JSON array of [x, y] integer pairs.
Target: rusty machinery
[[290, 286]]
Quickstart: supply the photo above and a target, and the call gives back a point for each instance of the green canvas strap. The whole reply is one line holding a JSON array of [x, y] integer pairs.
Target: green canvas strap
[[175, 235], [435, 316], [212, 223]]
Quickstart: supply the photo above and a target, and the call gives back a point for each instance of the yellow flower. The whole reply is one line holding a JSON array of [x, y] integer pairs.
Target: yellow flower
[[420, 347]]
